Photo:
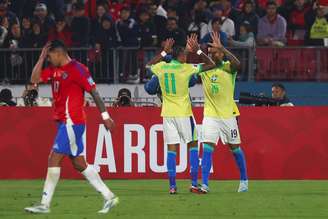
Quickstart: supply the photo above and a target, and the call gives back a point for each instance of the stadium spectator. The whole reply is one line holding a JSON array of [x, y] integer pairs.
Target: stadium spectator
[[246, 37], [279, 93], [80, 26], [216, 27], [6, 98], [41, 14], [296, 23], [198, 25], [146, 29], [105, 37], [173, 31], [248, 14], [227, 26], [96, 23], [158, 17], [3, 35], [317, 26], [127, 29], [271, 27], [61, 32], [5, 13], [115, 8], [14, 37], [26, 26], [56, 7], [202, 6], [37, 39], [123, 98], [229, 11]]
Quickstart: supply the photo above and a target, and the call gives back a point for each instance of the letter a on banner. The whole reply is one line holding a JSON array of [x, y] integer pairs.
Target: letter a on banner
[[104, 136]]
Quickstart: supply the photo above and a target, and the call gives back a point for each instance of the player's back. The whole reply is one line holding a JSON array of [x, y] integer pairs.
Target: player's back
[[218, 86], [174, 80]]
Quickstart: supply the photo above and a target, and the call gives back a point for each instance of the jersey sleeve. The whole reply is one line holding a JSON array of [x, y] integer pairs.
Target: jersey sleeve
[[83, 77], [228, 68], [46, 75], [193, 68], [156, 68]]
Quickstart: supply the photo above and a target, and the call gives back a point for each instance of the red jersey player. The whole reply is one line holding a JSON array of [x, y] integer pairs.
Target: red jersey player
[[69, 80]]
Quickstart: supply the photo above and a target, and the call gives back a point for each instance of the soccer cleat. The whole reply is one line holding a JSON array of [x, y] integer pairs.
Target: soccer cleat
[[109, 204], [204, 189], [194, 189], [38, 209], [243, 186], [173, 191]]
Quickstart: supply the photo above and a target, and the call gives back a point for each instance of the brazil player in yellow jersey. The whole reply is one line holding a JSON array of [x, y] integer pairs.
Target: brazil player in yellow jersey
[[220, 112], [178, 121]]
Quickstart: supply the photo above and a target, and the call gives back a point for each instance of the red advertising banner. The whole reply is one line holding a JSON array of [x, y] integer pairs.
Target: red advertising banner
[[280, 143]]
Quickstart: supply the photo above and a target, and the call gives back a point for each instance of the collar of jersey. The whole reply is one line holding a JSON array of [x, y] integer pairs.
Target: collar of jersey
[[175, 61]]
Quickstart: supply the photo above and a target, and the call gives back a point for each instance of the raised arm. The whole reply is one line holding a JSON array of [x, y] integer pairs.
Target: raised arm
[[193, 46], [216, 45], [36, 73], [168, 44], [108, 122]]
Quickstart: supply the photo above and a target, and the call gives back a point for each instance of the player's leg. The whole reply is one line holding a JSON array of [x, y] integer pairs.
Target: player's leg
[[189, 133], [171, 166], [232, 137], [75, 134], [241, 163], [210, 136], [96, 182], [53, 174], [172, 139]]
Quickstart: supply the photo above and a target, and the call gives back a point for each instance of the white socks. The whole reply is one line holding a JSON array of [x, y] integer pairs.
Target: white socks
[[94, 179], [50, 185]]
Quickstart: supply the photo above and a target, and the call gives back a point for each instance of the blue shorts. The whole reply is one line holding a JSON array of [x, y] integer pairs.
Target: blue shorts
[[69, 139]]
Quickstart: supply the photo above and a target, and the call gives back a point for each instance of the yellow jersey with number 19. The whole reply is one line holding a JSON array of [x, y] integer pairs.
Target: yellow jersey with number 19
[[219, 87], [174, 82]]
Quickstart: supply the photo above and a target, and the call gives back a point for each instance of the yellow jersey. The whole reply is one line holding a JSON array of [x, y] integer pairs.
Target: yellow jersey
[[174, 82], [219, 87]]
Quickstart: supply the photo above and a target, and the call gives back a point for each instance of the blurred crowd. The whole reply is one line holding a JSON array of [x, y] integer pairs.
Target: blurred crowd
[[105, 24]]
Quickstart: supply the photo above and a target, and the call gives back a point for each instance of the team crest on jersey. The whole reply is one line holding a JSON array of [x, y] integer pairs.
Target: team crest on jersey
[[64, 75], [90, 80], [214, 78]]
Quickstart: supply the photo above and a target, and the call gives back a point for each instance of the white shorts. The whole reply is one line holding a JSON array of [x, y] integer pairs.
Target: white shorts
[[179, 130], [214, 129]]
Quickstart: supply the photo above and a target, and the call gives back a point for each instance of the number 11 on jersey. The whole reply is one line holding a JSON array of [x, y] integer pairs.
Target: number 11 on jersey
[[169, 77]]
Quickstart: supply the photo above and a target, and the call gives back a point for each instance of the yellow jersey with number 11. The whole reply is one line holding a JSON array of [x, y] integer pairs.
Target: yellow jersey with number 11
[[219, 87], [174, 82]]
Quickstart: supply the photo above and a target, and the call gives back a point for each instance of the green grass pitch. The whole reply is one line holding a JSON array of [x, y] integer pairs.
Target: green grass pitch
[[150, 199]]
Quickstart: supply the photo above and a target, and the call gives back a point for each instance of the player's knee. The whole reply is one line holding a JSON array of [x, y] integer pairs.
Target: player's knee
[[172, 147], [78, 166], [193, 144]]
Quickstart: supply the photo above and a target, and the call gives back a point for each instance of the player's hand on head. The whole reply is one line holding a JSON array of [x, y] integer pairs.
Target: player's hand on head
[[109, 124], [216, 42], [168, 44], [45, 49]]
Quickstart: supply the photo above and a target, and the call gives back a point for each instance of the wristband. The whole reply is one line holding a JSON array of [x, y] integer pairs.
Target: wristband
[[163, 54], [199, 52], [105, 115]]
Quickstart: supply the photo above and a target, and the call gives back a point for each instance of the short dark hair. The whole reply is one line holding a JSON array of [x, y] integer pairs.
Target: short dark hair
[[78, 6], [57, 44], [271, 2], [216, 19], [176, 51], [281, 86]]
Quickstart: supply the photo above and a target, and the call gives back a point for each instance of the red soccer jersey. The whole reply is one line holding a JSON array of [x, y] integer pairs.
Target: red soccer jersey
[[68, 84]]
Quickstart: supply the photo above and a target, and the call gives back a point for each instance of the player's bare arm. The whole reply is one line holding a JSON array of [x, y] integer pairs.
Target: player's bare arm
[[36, 73], [217, 45], [108, 121], [193, 46], [168, 44]]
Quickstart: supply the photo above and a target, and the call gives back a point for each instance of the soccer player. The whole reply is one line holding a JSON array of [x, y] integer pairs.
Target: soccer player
[[178, 121], [69, 79], [220, 112]]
